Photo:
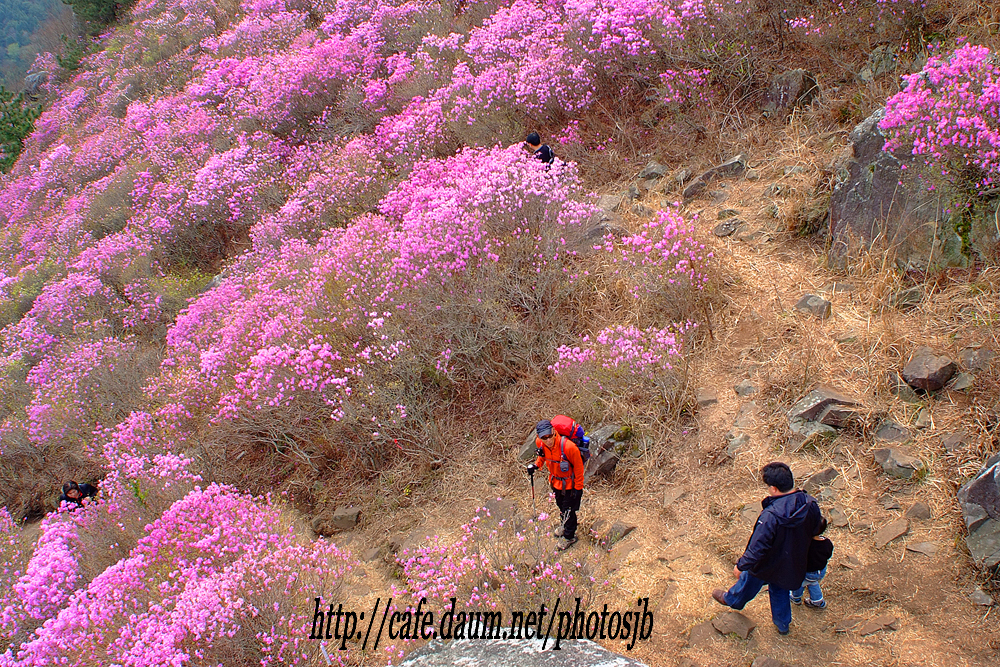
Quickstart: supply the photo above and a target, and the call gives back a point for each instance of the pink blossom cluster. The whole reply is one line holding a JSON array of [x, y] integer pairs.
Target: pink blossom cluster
[[948, 114], [648, 353]]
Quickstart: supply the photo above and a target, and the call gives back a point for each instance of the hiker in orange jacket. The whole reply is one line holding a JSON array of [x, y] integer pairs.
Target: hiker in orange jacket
[[565, 477]]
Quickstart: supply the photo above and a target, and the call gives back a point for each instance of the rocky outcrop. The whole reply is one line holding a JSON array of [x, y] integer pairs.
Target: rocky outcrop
[[980, 501], [876, 198]]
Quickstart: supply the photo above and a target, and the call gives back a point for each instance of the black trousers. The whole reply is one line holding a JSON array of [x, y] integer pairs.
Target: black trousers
[[568, 503]]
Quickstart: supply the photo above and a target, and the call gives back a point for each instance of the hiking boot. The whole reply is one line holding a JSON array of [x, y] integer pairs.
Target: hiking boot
[[566, 542], [816, 605], [719, 596], [795, 600], [782, 632], [558, 532]]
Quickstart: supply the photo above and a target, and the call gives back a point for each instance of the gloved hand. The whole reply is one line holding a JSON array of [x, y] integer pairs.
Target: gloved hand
[[531, 469], [540, 452]]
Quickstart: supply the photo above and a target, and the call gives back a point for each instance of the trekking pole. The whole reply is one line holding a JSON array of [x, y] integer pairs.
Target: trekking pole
[[531, 475]]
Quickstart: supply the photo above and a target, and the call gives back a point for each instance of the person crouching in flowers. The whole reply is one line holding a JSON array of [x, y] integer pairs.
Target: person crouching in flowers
[[565, 477]]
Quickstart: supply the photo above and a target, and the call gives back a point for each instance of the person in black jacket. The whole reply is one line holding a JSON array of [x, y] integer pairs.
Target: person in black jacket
[[777, 552], [538, 149], [820, 551], [73, 493]]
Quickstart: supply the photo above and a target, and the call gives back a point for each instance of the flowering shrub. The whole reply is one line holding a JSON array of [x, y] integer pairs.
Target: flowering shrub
[[948, 115]]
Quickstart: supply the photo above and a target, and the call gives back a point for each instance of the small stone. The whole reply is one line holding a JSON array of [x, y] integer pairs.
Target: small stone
[[890, 431], [890, 503], [727, 227], [705, 569], [907, 299], [794, 170], [346, 518], [746, 416], [979, 597], [925, 548], [822, 478], [810, 304], [923, 419], [880, 623], [745, 388], [642, 210], [899, 388], [672, 495], [736, 439], [897, 463], [618, 531], [653, 170], [918, 510], [891, 531], [927, 371], [838, 518], [850, 562], [975, 358], [826, 495], [954, 441], [962, 381], [728, 213], [733, 622], [372, 554], [705, 397], [676, 552]]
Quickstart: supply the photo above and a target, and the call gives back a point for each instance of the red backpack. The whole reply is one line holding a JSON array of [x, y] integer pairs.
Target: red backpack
[[568, 428]]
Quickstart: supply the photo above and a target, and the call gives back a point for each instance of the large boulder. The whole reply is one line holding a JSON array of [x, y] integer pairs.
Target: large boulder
[[885, 198], [515, 653], [980, 501], [606, 447]]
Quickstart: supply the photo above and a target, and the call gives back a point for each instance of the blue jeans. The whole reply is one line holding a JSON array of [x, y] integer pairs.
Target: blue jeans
[[812, 583], [746, 589]]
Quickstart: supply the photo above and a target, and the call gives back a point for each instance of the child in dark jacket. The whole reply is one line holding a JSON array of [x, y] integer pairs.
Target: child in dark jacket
[[820, 551]]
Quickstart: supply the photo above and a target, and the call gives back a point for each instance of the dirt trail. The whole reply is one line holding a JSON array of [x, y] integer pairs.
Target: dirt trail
[[685, 547]]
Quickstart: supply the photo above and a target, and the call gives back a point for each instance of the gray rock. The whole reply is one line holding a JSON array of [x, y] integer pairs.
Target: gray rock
[[918, 510], [826, 495], [514, 652], [811, 304], [615, 534], [747, 415], [609, 203], [653, 170], [907, 299], [923, 419], [819, 411], [346, 518], [891, 531], [794, 88], [736, 439], [528, 449], [728, 213], [979, 597], [604, 452], [980, 502], [727, 227], [642, 210], [928, 371], [733, 622], [962, 381], [881, 60], [899, 388], [975, 358], [701, 635], [838, 517], [728, 169], [33, 82], [705, 397], [884, 197], [793, 170], [897, 463], [890, 431], [745, 388], [817, 480], [890, 503]]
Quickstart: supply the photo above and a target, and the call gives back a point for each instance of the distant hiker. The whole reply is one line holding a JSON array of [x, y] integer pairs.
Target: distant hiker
[[566, 461], [538, 149], [820, 550], [778, 549], [73, 493]]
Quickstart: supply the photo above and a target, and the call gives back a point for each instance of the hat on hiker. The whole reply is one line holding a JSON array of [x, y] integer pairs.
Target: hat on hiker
[[544, 428]]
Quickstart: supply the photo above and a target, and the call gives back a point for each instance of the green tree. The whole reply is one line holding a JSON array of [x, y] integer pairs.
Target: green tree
[[17, 120], [102, 12]]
